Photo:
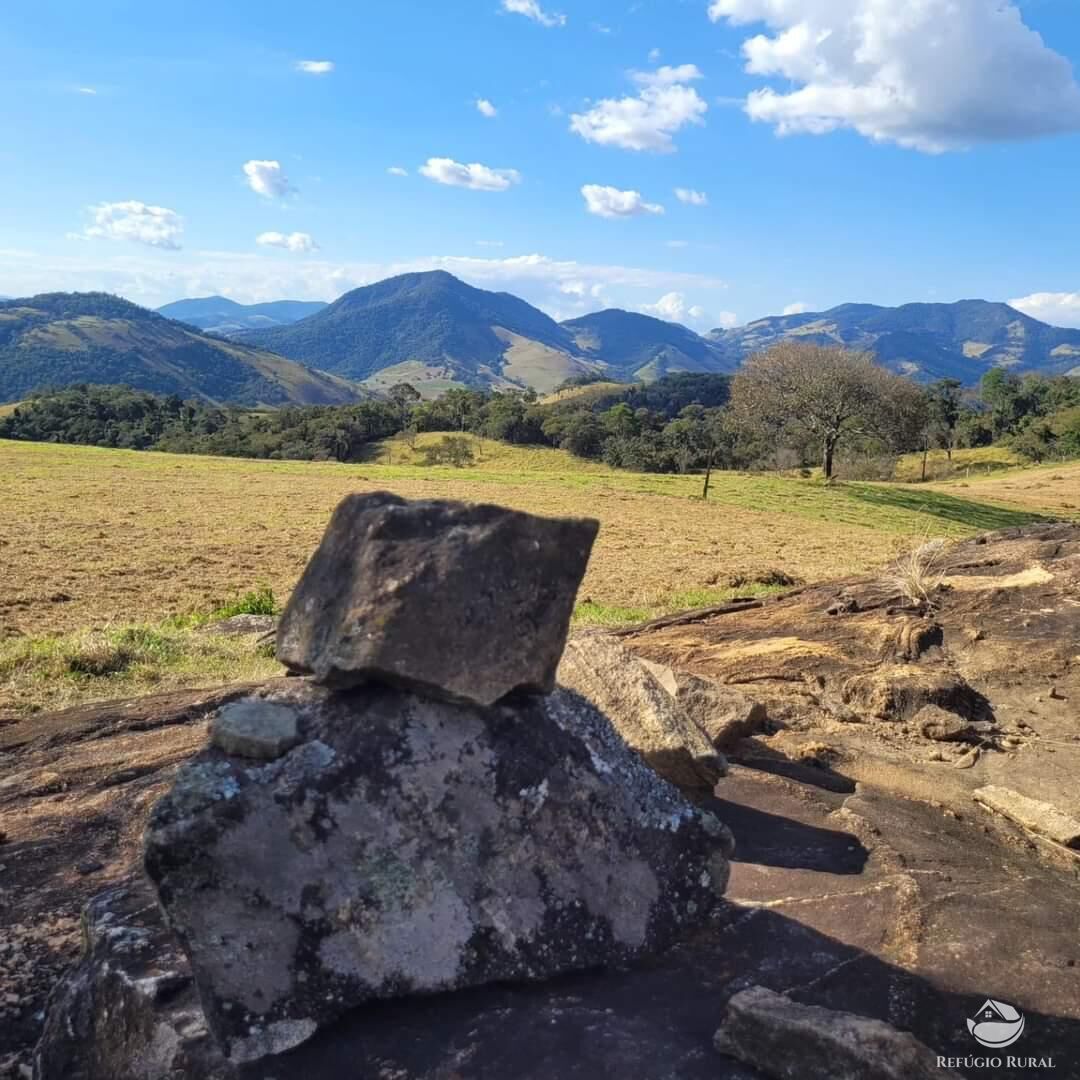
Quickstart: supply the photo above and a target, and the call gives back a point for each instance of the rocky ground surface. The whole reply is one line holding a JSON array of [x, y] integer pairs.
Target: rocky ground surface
[[868, 878]]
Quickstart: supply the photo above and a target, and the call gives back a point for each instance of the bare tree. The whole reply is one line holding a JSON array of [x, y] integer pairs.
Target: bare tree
[[826, 395]]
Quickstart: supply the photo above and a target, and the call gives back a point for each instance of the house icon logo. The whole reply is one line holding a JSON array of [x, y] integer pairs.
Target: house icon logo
[[996, 1025]]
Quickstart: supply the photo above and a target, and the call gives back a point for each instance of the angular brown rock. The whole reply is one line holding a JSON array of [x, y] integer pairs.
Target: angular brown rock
[[467, 602]]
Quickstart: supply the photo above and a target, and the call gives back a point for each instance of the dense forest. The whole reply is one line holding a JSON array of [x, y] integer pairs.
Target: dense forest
[[681, 423]]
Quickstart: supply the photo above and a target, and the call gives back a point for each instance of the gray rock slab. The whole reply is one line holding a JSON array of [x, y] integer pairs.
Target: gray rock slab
[[409, 846], [464, 601], [1039, 817], [790, 1041], [604, 671]]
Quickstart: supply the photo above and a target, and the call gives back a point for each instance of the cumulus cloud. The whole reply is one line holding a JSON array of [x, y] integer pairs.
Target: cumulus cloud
[[485, 108], [930, 75], [154, 226], [315, 67], [610, 202], [397, 170], [256, 275], [475, 176], [296, 241], [691, 197], [647, 121], [531, 9], [267, 178], [727, 320], [800, 307], [673, 307], [654, 56], [1056, 308], [667, 75]]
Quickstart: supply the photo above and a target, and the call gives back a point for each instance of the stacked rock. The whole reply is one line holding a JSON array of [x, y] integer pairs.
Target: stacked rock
[[427, 811]]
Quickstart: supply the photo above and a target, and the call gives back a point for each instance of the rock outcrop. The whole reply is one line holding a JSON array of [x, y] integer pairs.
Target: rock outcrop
[[459, 601], [409, 845]]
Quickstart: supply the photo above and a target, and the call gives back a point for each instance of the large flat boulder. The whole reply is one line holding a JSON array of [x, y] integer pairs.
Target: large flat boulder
[[462, 601], [645, 713], [408, 846]]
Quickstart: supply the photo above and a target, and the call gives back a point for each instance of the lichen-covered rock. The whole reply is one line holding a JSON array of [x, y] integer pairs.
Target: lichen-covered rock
[[409, 845], [128, 1010], [465, 602], [646, 715], [790, 1041]]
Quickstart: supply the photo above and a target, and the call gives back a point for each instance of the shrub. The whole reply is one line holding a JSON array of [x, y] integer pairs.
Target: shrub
[[917, 574], [453, 450]]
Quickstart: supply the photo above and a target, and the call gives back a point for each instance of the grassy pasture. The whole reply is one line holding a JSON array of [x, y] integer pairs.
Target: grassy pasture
[[95, 542]]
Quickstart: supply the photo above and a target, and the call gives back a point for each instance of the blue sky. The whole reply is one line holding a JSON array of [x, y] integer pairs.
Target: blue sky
[[827, 151]]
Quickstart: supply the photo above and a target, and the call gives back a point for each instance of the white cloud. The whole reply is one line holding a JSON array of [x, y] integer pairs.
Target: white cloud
[[88, 90], [297, 241], [932, 75], [648, 121], [315, 67], [154, 226], [257, 275], [673, 307], [727, 320], [800, 307], [678, 243], [267, 178], [667, 75], [654, 55], [475, 176], [610, 202], [1056, 308], [691, 197], [532, 10], [489, 243], [485, 108], [397, 170]]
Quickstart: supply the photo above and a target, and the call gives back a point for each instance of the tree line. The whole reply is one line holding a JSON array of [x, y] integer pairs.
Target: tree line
[[795, 406]]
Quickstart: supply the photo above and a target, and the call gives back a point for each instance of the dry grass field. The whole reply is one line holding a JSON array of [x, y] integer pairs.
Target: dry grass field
[[96, 541]]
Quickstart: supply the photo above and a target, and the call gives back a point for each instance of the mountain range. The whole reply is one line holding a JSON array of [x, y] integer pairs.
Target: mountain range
[[435, 331], [59, 339], [926, 341], [220, 315]]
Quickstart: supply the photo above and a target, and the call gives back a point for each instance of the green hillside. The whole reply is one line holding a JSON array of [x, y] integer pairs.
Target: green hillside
[[63, 339]]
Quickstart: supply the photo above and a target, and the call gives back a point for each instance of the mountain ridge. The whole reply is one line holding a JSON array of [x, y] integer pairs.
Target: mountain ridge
[[962, 340], [220, 315], [61, 339]]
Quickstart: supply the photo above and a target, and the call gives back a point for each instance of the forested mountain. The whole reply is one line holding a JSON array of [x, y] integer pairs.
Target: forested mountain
[[220, 315], [431, 328], [60, 339], [641, 347], [927, 341]]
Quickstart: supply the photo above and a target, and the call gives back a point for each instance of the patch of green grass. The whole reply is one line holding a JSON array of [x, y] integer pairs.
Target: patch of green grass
[[946, 510], [589, 613], [56, 671]]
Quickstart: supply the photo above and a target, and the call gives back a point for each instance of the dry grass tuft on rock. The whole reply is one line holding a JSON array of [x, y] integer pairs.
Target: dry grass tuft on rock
[[918, 574]]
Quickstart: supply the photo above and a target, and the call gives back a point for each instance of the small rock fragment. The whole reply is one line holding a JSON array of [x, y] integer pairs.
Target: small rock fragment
[[789, 1041], [940, 725], [968, 760], [255, 728], [465, 602], [89, 866]]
